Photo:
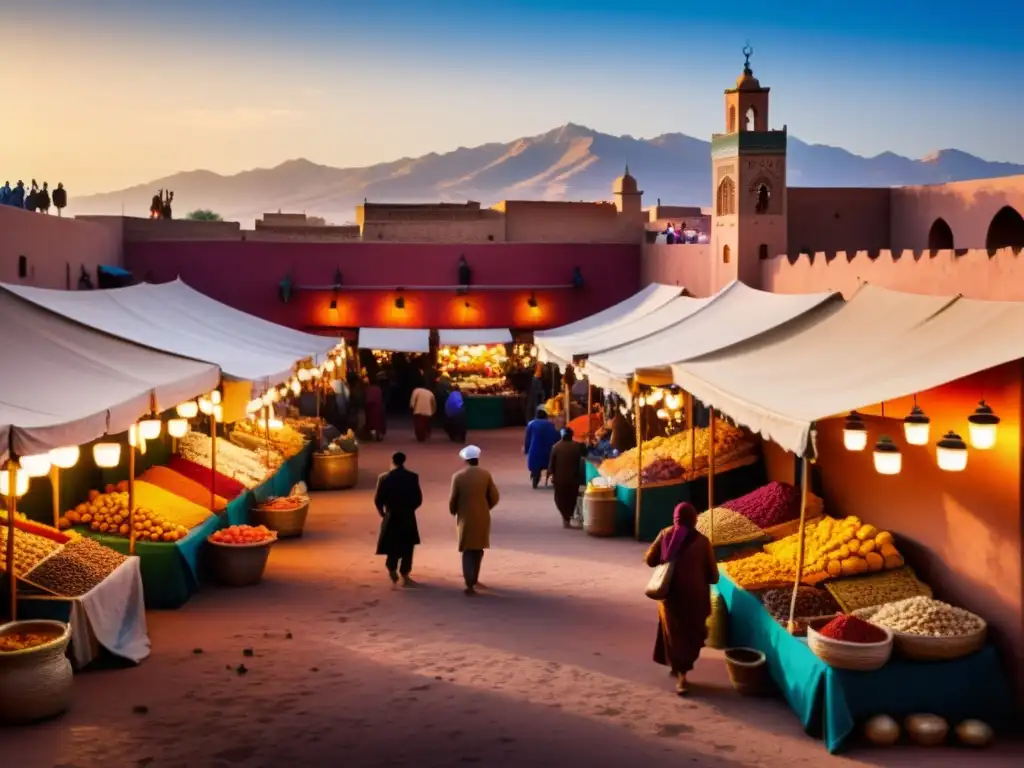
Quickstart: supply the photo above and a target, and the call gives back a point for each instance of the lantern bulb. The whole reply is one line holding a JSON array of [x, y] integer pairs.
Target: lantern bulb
[[35, 466], [149, 429], [66, 457], [20, 484], [983, 427], [916, 427], [951, 453], [188, 409], [855, 433], [887, 456], [215, 397], [177, 427], [218, 413], [106, 455], [206, 405]]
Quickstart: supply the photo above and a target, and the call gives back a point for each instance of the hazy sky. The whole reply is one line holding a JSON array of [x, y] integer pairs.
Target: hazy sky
[[102, 94]]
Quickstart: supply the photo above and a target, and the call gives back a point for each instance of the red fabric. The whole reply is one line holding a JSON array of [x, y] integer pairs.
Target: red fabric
[[421, 427], [224, 487]]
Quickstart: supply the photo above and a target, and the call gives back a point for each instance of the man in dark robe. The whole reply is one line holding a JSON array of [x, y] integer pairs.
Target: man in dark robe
[[397, 498], [566, 469]]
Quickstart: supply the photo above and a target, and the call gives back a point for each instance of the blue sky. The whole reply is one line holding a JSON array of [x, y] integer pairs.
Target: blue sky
[[231, 84]]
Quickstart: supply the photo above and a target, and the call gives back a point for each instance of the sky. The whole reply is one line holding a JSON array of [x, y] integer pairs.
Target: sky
[[112, 93]]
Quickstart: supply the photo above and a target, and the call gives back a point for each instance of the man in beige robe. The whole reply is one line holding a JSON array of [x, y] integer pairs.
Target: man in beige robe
[[472, 498]]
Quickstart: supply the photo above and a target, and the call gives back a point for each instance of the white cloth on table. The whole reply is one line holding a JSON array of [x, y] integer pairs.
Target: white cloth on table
[[113, 615]]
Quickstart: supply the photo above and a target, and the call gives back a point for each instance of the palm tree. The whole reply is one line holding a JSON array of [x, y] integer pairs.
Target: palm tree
[[204, 215]]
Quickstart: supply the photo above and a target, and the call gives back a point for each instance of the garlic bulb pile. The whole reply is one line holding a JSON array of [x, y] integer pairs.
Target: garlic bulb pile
[[927, 617], [245, 466]]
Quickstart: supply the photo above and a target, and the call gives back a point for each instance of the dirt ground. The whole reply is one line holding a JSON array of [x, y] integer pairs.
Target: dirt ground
[[549, 666]]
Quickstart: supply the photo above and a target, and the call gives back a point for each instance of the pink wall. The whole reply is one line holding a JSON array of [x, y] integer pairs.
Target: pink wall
[[54, 248], [688, 266], [972, 273], [838, 219], [246, 275]]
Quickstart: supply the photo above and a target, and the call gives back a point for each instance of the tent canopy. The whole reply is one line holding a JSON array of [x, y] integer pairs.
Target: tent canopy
[[879, 346], [468, 337], [560, 345], [395, 339], [62, 383], [174, 318], [734, 314]]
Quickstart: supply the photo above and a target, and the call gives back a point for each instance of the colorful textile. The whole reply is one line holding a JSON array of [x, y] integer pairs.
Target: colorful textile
[[225, 486]]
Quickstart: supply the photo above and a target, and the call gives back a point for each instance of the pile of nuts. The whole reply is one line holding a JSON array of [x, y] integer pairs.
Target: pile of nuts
[[811, 602], [29, 550], [927, 617], [77, 569], [730, 527]]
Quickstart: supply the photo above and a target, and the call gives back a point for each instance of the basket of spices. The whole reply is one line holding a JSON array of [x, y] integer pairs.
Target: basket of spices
[[847, 642], [238, 554], [929, 630], [35, 674], [285, 515]]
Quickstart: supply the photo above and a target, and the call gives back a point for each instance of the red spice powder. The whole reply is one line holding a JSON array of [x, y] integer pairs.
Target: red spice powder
[[850, 629]]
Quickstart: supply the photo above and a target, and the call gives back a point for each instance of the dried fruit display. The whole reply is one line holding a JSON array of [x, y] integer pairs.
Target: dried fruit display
[[108, 513], [76, 569], [926, 617], [237, 535], [283, 438], [730, 527], [245, 466], [811, 602], [877, 589], [22, 641], [29, 550], [834, 547]]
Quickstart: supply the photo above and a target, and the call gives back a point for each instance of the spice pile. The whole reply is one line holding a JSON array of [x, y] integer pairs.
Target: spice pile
[[29, 550], [730, 527], [243, 465], [769, 505], [850, 629], [758, 571], [22, 641], [662, 471], [927, 617], [811, 602], [284, 503], [77, 569], [108, 513], [877, 589]]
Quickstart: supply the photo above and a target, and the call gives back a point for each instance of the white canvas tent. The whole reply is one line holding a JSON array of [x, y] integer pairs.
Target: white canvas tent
[[560, 345], [62, 383], [880, 346], [734, 314], [469, 337], [174, 318], [395, 339]]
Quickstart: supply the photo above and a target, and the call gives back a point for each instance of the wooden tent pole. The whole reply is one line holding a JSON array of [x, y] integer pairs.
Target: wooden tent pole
[[691, 422], [711, 472], [55, 487], [213, 459], [590, 407], [637, 413], [12, 510], [131, 491], [791, 626]]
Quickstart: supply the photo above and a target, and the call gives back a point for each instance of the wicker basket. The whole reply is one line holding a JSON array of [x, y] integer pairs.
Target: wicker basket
[[286, 523], [924, 648], [718, 622], [860, 657], [748, 671], [36, 683], [334, 471], [238, 565]]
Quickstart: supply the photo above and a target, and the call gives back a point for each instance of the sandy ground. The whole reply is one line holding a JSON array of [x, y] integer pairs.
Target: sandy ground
[[550, 666]]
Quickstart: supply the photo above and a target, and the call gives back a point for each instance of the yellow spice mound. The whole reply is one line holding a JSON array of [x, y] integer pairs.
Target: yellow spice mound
[[838, 547]]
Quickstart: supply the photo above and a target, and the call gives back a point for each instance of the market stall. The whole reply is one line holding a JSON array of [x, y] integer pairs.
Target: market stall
[[409, 340], [477, 361], [892, 648]]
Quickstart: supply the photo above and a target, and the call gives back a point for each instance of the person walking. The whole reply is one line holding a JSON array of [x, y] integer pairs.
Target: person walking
[[373, 403], [423, 406], [567, 475], [541, 436], [472, 498], [683, 615], [397, 498], [455, 415]]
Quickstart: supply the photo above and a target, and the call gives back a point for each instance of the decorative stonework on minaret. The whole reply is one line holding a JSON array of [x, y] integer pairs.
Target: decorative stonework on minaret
[[749, 176]]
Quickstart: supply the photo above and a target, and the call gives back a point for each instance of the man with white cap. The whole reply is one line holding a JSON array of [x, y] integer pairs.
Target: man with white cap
[[472, 498]]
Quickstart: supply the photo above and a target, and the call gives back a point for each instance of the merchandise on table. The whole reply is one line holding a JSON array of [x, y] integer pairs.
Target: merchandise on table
[[79, 567], [226, 487], [241, 535], [758, 570], [108, 513], [811, 603], [850, 629], [834, 548], [926, 617], [247, 467], [876, 589], [22, 641], [662, 471], [346, 443], [283, 437], [478, 369], [165, 508], [284, 503], [773, 504], [730, 527], [731, 444], [179, 485], [29, 549]]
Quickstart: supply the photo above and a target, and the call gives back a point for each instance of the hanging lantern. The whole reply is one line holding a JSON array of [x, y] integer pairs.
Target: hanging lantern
[[304, 374], [215, 397], [149, 429], [855, 433], [296, 387], [983, 427], [133, 435], [35, 466], [266, 399], [254, 406], [662, 414], [218, 413], [916, 427], [329, 366], [274, 395], [106, 455], [20, 483], [642, 401], [315, 373], [188, 410], [205, 405], [283, 391], [951, 452], [65, 458], [888, 459], [177, 427]]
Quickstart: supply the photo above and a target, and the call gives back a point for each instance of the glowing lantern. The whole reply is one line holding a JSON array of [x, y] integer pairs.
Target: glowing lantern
[[177, 427], [662, 414], [65, 458], [329, 366], [215, 397], [149, 429], [982, 426], [206, 405], [20, 483], [254, 406], [304, 374], [218, 413], [133, 435], [188, 409], [916, 427], [951, 452], [106, 455], [35, 466], [275, 423], [888, 459], [296, 387], [855, 433]]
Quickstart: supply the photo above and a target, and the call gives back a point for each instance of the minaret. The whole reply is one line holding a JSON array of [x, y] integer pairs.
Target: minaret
[[749, 176], [628, 197]]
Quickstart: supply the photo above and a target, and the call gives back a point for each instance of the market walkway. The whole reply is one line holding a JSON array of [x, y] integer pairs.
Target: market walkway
[[550, 667]]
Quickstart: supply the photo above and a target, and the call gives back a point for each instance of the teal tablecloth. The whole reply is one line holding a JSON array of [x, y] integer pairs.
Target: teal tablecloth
[[833, 702], [485, 412]]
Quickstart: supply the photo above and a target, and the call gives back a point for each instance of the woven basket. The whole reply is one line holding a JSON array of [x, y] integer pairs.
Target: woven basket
[[238, 565], [286, 523], [718, 622], [861, 657], [334, 471], [748, 671], [35, 684], [922, 648]]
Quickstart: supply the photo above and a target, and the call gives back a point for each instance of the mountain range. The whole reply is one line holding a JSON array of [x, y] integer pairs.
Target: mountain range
[[571, 162]]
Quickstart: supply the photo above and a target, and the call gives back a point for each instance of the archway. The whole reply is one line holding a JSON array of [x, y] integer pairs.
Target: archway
[[726, 254], [751, 119], [1006, 230], [940, 236]]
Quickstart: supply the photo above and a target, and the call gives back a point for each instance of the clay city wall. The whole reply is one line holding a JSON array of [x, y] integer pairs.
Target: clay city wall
[[688, 266]]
